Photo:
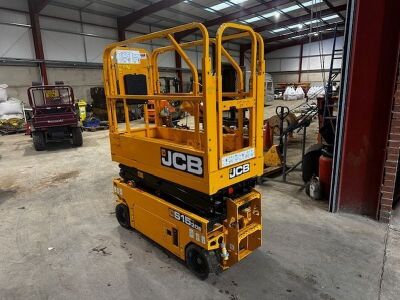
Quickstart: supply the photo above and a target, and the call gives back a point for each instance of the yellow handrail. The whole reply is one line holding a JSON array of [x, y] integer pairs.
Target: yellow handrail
[[219, 39], [188, 62], [212, 83], [110, 87], [235, 65]]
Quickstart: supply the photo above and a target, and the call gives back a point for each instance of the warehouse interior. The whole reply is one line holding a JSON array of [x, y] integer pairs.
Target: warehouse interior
[[135, 195]]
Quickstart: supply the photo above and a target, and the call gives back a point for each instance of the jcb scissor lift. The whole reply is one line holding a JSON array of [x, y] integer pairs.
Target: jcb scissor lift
[[190, 188]]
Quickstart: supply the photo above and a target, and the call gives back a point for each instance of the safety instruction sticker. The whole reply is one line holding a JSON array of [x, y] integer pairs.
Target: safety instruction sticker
[[235, 158], [128, 56]]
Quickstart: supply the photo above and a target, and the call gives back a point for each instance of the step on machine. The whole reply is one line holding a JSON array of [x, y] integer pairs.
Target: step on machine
[[189, 188]]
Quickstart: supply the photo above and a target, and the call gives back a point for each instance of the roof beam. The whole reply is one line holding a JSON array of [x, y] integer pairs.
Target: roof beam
[[334, 9], [293, 21], [239, 14], [125, 21], [304, 32], [246, 12], [38, 5], [303, 40], [304, 18], [173, 10], [309, 11]]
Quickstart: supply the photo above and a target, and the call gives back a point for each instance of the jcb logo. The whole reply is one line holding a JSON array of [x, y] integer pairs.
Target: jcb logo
[[182, 161], [239, 170]]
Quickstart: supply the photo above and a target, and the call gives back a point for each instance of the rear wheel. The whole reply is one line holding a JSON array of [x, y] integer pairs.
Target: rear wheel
[[201, 262], [39, 140], [77, 139], [122, 214]]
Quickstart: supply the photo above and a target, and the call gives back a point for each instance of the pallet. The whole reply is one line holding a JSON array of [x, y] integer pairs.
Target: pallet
[[272, 171], [96, 128]]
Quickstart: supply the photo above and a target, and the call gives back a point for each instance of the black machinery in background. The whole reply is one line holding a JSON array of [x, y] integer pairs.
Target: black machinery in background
[[284, 124], [316, 161], [99, 107], [168, 82], [228, 85]]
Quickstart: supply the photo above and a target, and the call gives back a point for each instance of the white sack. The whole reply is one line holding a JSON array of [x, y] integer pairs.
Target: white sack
[[11, 116], [291, 94], [299, 93], [3, 92], [10, 107]]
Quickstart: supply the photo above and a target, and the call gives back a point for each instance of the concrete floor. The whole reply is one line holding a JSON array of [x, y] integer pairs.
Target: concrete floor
[[59, 239], [390, 287]]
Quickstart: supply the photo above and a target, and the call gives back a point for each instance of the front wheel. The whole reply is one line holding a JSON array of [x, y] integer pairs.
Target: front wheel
[[201, 262], [122, 214], [39, 140], [77, 139]]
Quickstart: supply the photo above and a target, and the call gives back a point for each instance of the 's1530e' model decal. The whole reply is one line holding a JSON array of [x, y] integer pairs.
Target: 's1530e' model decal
[[182, 161], [185, 219]]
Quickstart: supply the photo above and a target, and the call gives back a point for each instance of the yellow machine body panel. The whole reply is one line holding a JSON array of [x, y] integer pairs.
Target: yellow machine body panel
[[131, 152], [175, 228]]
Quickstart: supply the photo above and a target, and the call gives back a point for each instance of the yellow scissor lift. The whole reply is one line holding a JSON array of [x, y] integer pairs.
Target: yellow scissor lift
[[190, 189]]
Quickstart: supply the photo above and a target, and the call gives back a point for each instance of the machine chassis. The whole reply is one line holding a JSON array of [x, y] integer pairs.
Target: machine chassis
[[176, 229]]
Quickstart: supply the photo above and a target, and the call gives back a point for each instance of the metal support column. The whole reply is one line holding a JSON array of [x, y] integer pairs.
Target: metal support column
[[300, 62], [178, 66], [241, 54], [367, 100], [37, 40], [121, 34], [213, 56]]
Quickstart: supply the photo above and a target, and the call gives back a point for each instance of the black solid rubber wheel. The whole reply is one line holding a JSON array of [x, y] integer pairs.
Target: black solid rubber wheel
[[122, 214], [39, 140], [77, 139], [201, 262]]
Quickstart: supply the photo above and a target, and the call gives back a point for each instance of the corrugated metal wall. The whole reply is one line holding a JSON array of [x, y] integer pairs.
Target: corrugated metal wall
[[67, 37]]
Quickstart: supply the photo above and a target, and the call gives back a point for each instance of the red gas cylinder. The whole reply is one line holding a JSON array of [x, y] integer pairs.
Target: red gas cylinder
[[267, 136], [325, 174]]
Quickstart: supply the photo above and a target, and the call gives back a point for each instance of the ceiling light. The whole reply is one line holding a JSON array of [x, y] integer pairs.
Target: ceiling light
[[311, 22], [223, 5], [296, 26], [252, 19], [237, 1], [269, 15], [312, 2], [290, 8], [330, 17], [220, 6], [279, 30]]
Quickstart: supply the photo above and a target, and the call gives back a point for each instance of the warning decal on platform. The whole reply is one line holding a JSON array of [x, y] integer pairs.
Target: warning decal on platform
[[128, 56], [235, 158]]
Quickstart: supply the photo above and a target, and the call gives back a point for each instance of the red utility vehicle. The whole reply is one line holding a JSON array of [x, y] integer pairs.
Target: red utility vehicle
[[54, 115]]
